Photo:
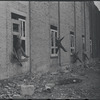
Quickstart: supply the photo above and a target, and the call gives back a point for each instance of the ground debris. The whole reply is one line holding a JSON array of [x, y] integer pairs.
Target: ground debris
[[46, 85]]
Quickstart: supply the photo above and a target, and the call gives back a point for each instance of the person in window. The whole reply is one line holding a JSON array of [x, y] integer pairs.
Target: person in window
[[59, 44], [18, 50]]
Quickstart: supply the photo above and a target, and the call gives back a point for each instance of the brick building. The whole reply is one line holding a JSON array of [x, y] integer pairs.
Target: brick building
[[39, 23], [95, 30]]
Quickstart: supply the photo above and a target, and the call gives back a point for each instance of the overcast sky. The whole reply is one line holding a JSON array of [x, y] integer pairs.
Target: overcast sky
[[97, 3]]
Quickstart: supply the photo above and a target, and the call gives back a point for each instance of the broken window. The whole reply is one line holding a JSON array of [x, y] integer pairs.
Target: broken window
[[72, 42], [54, 36], [19, 35]]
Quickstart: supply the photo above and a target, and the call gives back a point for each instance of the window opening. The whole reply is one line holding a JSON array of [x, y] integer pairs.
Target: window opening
[[19, 37], [72, 42], [54, 36]]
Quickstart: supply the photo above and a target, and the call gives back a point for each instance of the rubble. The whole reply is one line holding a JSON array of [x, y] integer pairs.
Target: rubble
[[27, 89], [44, 85], [69, 81]]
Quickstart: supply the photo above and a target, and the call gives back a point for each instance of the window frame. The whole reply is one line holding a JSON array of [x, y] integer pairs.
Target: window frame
[[54, 42], [18, 21], [22, 20], [83, 43], [90, 46], [23, 38], [72, 45]]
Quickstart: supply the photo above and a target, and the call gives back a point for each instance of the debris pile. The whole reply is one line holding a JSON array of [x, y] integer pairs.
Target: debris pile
[[95, 64], [8, 89], [69, 81]]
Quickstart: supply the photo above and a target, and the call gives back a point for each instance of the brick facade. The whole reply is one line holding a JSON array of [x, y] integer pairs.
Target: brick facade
[[74, 17]]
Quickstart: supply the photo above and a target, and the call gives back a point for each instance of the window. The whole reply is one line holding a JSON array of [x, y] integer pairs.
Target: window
[[54, 36], [83, 42], [19, 29], [23, 33], [90, 46], [16, 16], [72, 42], [15, 27]]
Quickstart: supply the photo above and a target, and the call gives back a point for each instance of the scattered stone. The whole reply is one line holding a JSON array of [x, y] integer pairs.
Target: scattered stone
[[27, 89], [66, 71], [40, 90], [47, 90], [17, 96], [49, 86], [69, 81], [54, 73]]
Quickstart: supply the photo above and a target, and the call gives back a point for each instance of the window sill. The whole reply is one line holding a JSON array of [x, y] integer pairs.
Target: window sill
[[56, 56]]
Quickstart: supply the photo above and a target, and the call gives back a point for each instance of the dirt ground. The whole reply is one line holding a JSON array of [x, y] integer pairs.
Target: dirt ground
[[88, 88], [86, 85]]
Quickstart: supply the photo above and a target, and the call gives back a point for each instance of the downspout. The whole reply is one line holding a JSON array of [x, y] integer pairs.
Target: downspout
[[84, 26], [91, 28], [75, 23], [30, 34], [7, 69], [59, 31]]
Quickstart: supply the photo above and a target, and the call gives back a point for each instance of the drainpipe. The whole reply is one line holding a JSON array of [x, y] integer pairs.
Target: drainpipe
[[59, 31], [84, 26], [30, 34], [75, 23]]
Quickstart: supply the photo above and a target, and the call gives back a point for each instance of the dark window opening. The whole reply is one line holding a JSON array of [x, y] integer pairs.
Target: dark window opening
[[72, 50], [15, 27], [16, 47], [16, 16], [71, 32], [24, 29], [52, 38], [53, 27], [14, 41], [23, 45], [72, 41], [83, 42], [56, 50], [52, 51]]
